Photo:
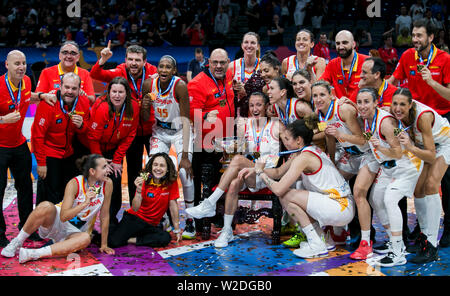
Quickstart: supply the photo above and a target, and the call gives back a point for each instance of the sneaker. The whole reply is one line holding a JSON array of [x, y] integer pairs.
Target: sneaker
[[189, 230], [415, 233], [428, 253], [384, 248], [309, 250], [339, 239], [226, 236], [392, 259], [295, 240], [204, 209], [166, 225], [3, 240], [418, 244], [288, 229], [363, 252], [26, 255], [328, 239], [11, 249], [444, 242]]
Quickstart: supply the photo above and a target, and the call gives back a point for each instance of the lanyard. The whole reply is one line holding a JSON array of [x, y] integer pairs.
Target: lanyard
[[15, 101], [257, 138], [121, 114], [61, 103], [221, 93], [287, 109], [243, 68], [350, 71], [430, 55], [329, 112], [167, 89], [296, 63], [374, 123], [380, 102], [138, 91], [291, 151]]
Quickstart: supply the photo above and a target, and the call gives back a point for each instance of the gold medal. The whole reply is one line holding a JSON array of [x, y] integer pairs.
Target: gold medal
[[322, 126], [367, 135], [144, 175], [397, 131], [420, 67], [71, 113], [97, 189], [256, 155], [222, 103]]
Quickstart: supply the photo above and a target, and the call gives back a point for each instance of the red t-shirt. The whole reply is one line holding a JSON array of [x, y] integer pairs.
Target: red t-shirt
[[194, 36], [50, 80], [11, 134], [387, 54], [420, 90], [155, 202], [323, 51], [333, 74], [384, 95]]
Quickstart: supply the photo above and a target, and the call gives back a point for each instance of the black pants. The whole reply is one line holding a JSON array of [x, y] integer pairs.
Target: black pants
[[18, 160], [133, 226], [116, 196], [134, 161], [445, 186], [59, 172]]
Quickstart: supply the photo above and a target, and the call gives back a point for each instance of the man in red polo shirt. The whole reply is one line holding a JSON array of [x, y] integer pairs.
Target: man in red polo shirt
[[427, 69], [15, 97], [322, 49], [51, 138], [343, 72], [212, 111], [136, 70]]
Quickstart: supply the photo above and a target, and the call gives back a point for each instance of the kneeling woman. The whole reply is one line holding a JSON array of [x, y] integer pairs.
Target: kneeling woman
[[70, 223], [156, 191], [325, 197]]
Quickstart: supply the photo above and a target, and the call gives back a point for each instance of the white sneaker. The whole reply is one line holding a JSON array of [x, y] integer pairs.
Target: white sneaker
[[11, 249], [392, 259], [204, 209], [385, 248], [27, 255], [226, 236], [311, 250], [331, 245]]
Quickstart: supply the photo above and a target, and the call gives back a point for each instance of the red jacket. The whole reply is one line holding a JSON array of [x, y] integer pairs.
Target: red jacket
[[97, 72], [52, 130], [11, 134], [105, 135], [204, 96]]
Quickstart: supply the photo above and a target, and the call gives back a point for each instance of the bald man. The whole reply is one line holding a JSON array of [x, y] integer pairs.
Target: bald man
[[344, 72], [15, 97], [211, 103]]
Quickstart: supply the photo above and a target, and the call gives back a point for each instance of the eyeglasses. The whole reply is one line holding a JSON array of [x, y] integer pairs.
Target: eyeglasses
[[215, 63], [72, 53]]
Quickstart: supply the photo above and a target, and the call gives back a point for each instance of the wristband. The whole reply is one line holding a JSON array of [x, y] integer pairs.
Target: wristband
[[39, 96], [1, 119], [205, 116]]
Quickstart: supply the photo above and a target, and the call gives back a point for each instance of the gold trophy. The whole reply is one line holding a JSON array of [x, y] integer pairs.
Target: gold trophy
[[230, 146]]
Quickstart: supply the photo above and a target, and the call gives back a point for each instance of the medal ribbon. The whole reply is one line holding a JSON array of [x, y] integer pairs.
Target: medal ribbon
[[285, 118], [374, 123], [15, 101], [291, 151], [167, 89], [243, 68], [430, 56], [257, 138], [350, 71], [384, 86], [329, 112], [221, 93], [61, 103], [138, 91]]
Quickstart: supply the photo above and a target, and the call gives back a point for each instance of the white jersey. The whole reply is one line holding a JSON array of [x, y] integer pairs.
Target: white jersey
[[288, 115], [440, 128], [380, 157], [166, 106], [327, 179], [292, 66], [269, 144], [240, 74], [85, 219]]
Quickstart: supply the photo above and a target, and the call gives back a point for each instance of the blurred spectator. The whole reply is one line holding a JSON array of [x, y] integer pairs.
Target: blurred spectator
[[417, 10], [253, 13], [322, 49], [300, 13], [44, 39], [83, 36], [317, 13], [197, 64], [404, 39], [439, 21], [66, 36], [177, 26], [134, 36], [4, 38], [374, 53], [363, 38], [403, 21], [433, 20], [438, 6], [23, 39], [195, 34], [221, 23], [441, 40], [285, 14], [116, 35], [125, 25], [388, 54], [163, 27], [151, 37], [275, 31]]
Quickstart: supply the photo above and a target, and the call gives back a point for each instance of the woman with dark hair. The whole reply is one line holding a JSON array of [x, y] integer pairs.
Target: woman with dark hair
[[397, 176], [426, 134], [270, 68], [169, 97], [324, 197], [157, 191], [112, 127], [303, 59], [69, 224], [284, 104]]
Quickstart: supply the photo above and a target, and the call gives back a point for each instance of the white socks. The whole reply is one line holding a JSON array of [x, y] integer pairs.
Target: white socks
[[312, 235], [434, 211], [214, 197], [227, 221], [420, 204], [365, 235], [397, 244], [22, 237]]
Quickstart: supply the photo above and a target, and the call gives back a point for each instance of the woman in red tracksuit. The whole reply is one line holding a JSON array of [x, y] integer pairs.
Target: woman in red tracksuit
[[114, 119]]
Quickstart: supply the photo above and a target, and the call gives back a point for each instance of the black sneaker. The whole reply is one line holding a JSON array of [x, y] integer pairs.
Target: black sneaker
[[428, 253], [415, 233], [444, 242], [384, 248], [189, 230], [418, 244], [392, 259], [3, 240]]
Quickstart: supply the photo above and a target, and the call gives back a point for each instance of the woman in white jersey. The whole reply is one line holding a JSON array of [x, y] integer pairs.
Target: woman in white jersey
[[69, 224], [324, 198], [270, 68], [427, 137], [304, 44], [262, 135], [397, 177], [169, 96]]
